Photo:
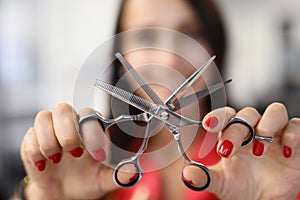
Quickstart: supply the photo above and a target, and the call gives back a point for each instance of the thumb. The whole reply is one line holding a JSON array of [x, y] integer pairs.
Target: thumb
[[125, 176], [217, 180], [98, 144], [196, 177]]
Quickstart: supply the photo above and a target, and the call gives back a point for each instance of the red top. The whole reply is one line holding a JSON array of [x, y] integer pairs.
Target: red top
[[150, 185]]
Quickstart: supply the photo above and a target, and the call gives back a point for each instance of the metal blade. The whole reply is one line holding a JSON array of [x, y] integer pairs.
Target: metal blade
[[127, 97], [142, 83], [200, 94], [157, 111], [189, 81]]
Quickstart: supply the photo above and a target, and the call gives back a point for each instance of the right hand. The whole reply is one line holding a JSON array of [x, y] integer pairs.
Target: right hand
[[58, 166]]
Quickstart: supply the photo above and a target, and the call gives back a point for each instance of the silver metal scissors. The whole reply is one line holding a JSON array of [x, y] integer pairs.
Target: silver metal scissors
[[156, 113]]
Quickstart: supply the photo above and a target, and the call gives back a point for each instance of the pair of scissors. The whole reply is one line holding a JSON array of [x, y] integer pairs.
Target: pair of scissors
[[156, 113]]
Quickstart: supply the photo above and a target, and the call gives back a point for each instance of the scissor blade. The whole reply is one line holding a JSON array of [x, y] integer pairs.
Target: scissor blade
[[200, 94], [142, 83], [189, 81], [157, 111], [127, 97]]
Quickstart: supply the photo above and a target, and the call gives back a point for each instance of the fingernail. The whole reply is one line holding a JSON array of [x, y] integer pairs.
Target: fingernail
[[100, 154], [211, 122], [77, 152], [225, 148], [186, 180], [55, 158], [40, 165], [287, 151], [258, 148], [134, 177]]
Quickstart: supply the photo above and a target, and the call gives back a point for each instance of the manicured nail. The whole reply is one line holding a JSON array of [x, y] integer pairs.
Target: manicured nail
[[287, 151], [77, 152], [134, 177], [258, 148], [55, 158], [186, 180], [100, 154], [40, 165], [225, 148], [211, 122]]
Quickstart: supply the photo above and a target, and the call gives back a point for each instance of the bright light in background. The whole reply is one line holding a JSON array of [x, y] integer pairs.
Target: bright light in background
[[43, 44], [260, 62]]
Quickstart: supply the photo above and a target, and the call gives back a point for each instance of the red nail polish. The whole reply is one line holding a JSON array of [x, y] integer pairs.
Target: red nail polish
[[287, 151], [186, 180], [134, 177], [77, 152], [211, 122], [55, 158], [225, 148], [100, 154], [40, 165], [258, 148]]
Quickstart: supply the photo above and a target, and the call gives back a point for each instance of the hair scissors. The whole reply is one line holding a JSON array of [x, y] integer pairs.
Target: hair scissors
[[156, 113]]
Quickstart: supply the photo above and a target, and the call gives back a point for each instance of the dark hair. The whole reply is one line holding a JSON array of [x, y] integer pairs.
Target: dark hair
[[214, 32]]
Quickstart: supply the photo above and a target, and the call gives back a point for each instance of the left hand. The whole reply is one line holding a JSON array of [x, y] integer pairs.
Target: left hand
[[260, 170]]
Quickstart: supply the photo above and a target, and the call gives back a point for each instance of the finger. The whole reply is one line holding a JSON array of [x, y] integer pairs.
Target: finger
[[273, 121], [31, 155], [195, 177], [291, 138], [216, 120], [65, 122], [127, 174], [234, 135], [46, 138], [93, 137]]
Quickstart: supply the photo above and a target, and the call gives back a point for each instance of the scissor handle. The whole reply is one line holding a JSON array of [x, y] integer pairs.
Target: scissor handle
[[106, 123], [190, 185], [236, 120], [135, 179]]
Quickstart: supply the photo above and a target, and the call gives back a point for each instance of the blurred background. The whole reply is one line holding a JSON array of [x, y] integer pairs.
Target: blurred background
[[44, 43]]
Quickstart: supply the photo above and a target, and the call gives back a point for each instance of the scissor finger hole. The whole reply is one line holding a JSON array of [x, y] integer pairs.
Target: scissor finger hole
[[127, 175], [196, 177], [251, 134]]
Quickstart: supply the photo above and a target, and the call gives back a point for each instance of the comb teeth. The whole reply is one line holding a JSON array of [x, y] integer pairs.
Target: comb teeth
[[125, 96]]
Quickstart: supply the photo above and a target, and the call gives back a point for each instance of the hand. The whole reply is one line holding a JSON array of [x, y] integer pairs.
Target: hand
[[260, 170], [58, 165]]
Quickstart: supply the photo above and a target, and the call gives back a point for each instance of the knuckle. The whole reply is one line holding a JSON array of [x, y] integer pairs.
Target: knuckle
[[230, 110], [251, 111], [279, 107], [295, 121], [86, 111], [47, 149], [62, 109], [264, 131], [43, 115], [67, 142]]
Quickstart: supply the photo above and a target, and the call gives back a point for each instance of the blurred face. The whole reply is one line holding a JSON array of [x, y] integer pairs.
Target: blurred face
[[155, 64]]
